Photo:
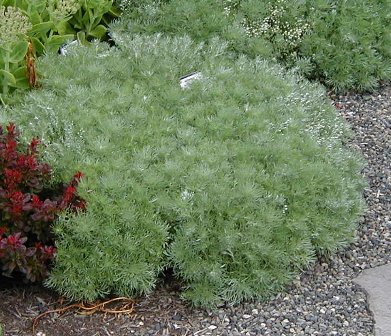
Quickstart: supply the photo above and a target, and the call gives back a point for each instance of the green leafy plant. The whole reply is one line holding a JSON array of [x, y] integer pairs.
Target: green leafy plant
[[283, 25], [92, 19], [343, 44], [13, 47], [236, 182], [350, 44], [47, 20], [47, 25], [202, 20]]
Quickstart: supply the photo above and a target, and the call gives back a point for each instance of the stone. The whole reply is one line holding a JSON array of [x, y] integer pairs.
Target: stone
[[377, 283]]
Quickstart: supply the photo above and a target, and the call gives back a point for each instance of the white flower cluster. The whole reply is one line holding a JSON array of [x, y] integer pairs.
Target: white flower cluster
[[294, 34], [12, 24], [60, 9], [275, 24], [230, 5], [253, 28], [126, 4]]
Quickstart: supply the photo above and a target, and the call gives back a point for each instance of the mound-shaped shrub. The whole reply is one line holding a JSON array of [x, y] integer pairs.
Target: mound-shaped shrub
[[344, 44], [202, 20], [236, 181]]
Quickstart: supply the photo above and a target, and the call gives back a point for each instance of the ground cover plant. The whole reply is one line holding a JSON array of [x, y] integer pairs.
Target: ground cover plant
[[29, 204], [344, 44], [236, 182]]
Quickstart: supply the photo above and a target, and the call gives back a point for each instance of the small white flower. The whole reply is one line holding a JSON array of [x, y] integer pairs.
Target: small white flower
[[285, 209], [187, 195]]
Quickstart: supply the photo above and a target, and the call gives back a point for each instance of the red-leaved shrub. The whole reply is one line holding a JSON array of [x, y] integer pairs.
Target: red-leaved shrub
[[28, 207]]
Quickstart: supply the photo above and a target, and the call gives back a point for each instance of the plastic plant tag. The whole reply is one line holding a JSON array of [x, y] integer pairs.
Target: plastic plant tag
[[64, 48], [185, 81]]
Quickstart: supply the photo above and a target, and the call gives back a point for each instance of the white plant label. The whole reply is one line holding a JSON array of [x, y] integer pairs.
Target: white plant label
[[185, 81]]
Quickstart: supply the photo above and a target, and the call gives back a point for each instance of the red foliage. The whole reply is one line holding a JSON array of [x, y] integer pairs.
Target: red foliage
[[28, 207]]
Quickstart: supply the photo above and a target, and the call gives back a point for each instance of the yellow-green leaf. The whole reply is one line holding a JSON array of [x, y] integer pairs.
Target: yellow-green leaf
[[64, 28], [81, 37], [56, 41], [98, 32], [21, 78], [7, 76], [39, 48], [35, 18], [42, 28], [18, 52]]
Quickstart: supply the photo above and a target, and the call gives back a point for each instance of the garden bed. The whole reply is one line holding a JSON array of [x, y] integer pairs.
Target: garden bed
[[194, 161], [323, 301]]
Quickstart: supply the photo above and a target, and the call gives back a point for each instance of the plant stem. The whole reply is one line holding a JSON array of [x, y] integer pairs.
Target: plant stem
[[7, 69]]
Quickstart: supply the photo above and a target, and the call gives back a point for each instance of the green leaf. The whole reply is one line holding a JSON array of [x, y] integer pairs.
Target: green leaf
[[56, 41], [42, 28], [3, 55], [37, 6], [35, 17], [64, 28], [39, 48], [8, 77], [7, 3], [81, 37], [18, 52], [87, 18], [21, 79], [98, 32], [114, 11]]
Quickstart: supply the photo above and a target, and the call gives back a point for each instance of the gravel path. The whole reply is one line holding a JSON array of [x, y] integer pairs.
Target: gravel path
[[324, 301]]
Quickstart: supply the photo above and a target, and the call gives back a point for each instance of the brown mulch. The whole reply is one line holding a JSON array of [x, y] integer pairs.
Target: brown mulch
[[161, 313]]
